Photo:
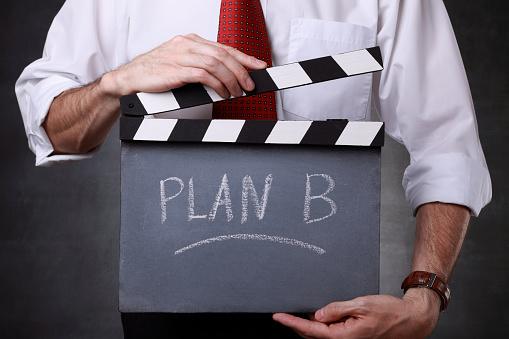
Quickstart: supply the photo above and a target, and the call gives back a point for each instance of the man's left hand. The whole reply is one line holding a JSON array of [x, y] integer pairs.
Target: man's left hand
[[378, 316]]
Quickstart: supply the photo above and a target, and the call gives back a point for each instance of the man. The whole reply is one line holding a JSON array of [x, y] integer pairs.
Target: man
[[123, 47]]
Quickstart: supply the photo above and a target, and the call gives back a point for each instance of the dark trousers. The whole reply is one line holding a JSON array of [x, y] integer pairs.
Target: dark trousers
[[205, 325]]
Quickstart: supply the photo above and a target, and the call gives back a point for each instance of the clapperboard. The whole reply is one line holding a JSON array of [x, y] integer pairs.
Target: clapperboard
[[249, 215]]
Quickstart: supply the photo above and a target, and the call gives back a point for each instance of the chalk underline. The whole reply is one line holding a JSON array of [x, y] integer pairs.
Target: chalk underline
[[260, 237]]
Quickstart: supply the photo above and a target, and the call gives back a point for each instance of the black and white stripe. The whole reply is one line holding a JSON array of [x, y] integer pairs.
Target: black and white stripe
[[330, 132], [271, 79]]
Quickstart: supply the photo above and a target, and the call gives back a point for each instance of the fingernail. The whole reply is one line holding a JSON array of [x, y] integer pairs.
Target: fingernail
[[238, 91], [319, 314], [250, 84], [261, 62]]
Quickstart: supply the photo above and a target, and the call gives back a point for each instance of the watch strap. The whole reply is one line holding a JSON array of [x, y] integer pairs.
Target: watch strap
[[431, 281]]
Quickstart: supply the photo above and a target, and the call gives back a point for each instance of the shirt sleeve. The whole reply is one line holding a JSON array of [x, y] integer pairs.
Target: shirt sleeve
[[424, 98], [79, 48]]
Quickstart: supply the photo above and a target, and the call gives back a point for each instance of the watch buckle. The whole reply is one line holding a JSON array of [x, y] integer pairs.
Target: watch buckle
[[431, 280], [418, 283]]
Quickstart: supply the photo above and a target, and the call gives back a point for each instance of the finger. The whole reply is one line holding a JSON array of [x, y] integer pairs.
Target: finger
[[202, 76], [245, 59], [220, 63], [235, 60], [194, 52], [305, 328], [334, 312]]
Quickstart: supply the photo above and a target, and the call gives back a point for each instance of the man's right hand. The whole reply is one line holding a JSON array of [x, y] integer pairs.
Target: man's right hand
[[79, 119], [182, 60]]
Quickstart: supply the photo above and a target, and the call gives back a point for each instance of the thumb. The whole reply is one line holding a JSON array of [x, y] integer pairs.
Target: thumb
[[334, 312]]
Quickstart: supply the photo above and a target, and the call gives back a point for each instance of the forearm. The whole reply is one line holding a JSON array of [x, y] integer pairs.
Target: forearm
[[439, 236], [440, 232], [79, 119]]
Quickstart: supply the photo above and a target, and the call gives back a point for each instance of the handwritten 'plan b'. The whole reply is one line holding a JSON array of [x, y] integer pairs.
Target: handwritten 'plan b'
[[249, 193]]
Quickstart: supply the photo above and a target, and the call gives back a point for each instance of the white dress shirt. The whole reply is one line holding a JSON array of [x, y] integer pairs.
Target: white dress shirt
[[422, 95]]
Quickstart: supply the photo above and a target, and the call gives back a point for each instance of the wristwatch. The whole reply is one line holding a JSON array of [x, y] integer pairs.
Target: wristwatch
[[431, 281]]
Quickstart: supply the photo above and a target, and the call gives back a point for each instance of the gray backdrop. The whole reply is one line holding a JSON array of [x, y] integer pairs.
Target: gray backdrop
[[59, 227]]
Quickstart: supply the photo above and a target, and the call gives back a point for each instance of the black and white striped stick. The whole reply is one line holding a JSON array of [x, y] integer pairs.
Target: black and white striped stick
[[266, 80]]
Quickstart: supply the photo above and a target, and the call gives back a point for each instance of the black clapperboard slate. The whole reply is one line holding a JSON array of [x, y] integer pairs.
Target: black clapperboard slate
[[245, 215]]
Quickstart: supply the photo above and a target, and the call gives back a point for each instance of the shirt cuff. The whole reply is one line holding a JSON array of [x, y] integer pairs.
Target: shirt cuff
[[448, 178], [41, 99]]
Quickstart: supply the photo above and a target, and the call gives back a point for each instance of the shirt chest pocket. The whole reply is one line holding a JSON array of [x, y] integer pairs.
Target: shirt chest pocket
[[337, 99]]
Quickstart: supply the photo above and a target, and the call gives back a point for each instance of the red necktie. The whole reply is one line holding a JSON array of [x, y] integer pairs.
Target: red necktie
[[242, 25]]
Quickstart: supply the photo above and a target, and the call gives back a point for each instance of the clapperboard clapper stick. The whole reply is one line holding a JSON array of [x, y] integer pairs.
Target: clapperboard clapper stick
[[271, 79]]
